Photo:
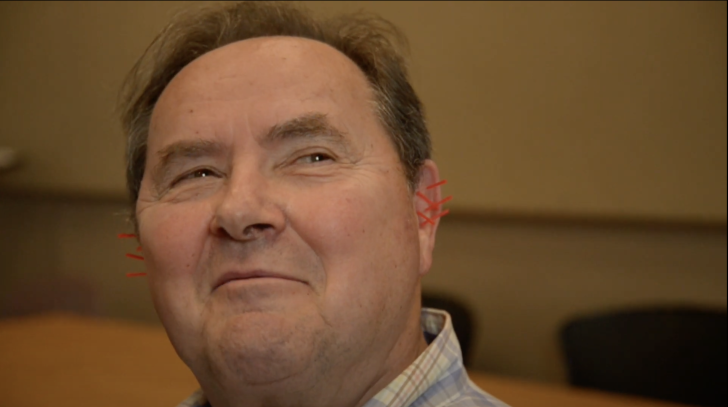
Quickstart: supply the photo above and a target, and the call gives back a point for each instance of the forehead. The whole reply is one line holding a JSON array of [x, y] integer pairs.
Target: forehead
[[271, 76]]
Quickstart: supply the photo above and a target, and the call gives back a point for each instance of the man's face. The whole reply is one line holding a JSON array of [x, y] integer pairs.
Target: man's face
[[278, 230]]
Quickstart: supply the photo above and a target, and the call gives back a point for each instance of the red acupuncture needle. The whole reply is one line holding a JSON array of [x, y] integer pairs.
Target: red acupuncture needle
[[434, 205], [132, 256], [437, 184], [421, 195], [427, 219]]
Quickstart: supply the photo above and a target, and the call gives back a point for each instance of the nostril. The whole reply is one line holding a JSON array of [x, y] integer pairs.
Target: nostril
[[222, 232], [257, 228]]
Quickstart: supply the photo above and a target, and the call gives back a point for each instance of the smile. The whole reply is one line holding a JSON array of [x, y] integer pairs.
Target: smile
[[252, 275]]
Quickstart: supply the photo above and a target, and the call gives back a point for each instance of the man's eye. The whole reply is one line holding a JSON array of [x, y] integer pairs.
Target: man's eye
[[315, 158], [200, 173]]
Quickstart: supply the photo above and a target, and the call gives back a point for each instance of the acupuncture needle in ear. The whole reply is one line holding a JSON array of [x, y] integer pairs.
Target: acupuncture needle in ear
[[421, 195], [427, 219], [435, 205], [132, 256], [437, 184], [431, 220]]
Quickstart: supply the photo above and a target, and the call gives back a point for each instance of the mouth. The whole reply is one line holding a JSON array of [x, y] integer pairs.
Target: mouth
[[251, 275]]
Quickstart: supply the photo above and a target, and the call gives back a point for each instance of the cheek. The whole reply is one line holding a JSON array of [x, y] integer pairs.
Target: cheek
[[362, 237], [172, 238], [337, 223]]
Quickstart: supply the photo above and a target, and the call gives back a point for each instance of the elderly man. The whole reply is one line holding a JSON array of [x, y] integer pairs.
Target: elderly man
[[273, 163]]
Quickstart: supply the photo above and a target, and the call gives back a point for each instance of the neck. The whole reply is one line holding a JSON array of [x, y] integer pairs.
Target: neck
[[401, 356], [337, 385]]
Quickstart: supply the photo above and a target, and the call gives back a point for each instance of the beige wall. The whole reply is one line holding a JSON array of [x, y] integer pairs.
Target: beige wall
[[522, 279]]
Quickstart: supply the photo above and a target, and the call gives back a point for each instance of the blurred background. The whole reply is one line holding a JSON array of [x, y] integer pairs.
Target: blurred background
[[584, 144]]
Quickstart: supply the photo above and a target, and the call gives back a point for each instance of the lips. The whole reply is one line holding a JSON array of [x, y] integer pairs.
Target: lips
[[250, 275]]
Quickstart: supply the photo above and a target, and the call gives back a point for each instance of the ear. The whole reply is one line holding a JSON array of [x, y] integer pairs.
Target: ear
[[427, 205]]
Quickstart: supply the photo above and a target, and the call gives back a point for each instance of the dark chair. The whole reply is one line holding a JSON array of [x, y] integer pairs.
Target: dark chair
[[462, 319], [673, 354]]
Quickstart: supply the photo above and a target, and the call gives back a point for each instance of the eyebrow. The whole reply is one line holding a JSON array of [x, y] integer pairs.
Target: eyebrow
[[307, 126]]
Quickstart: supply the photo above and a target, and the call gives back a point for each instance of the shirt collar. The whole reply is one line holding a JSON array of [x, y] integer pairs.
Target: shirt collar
[[428, 368]]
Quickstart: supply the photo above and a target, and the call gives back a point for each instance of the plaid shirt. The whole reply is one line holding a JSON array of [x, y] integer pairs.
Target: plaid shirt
[[436, 379]]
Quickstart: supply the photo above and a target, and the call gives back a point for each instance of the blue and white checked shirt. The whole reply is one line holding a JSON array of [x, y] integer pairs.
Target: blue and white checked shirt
[[436, 379]]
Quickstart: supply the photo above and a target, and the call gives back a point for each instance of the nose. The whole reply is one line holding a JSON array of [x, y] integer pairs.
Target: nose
[[248, 210]]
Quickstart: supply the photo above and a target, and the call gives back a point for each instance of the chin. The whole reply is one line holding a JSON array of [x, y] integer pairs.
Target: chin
[[259, 348]]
